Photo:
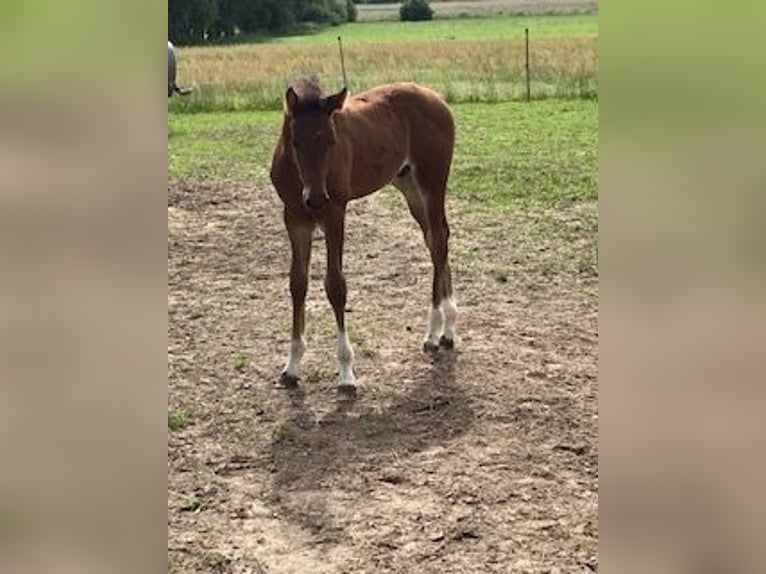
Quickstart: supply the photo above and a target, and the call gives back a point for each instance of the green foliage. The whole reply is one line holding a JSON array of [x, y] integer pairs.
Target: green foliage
[[351, 12], [415, 11], [190, 20], [178, 419], [200, 21], [331, 11]]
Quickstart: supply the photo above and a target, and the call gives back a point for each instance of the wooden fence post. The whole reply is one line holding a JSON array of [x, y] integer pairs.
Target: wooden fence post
[[529, 89]]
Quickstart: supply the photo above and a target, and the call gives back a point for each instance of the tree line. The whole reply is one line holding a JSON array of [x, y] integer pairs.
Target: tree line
[[200, 21]]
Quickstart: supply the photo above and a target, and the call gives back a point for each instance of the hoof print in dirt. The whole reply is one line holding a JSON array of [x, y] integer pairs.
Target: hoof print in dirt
[[288, 381], [446, 343]]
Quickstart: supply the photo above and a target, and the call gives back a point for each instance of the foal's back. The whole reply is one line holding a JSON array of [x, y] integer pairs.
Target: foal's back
[[389, 127]]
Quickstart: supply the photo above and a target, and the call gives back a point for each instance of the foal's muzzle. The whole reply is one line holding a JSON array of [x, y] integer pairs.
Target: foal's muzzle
[[314, 203]]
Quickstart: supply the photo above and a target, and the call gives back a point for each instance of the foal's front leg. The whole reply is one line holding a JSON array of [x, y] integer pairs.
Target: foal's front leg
[[335, 287], [300, 233]]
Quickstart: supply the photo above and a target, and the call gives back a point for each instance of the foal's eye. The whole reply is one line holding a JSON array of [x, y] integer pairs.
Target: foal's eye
[[295, 144]]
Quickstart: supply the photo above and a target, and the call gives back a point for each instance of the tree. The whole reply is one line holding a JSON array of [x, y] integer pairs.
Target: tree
[[351, 12], [415, 10], [200, 21], [332, 11], [226, 21]]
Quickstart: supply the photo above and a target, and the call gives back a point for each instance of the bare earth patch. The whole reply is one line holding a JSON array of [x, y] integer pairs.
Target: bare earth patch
[[480, 460]]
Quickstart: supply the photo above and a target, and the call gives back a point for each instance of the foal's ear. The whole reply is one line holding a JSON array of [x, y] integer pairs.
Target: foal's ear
[[291, 100], [335, 101]]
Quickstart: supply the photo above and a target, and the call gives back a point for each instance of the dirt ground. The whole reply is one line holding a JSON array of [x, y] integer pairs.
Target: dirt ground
[[483, 459]]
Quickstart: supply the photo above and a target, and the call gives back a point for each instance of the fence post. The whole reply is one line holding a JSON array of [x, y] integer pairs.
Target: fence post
[[529, 89]]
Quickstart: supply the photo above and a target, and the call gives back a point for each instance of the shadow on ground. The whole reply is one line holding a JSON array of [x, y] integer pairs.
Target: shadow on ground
[[308, 449]]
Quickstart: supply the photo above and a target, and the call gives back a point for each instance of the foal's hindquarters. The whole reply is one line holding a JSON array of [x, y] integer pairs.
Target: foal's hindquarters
[[422, 180], [414, 131]]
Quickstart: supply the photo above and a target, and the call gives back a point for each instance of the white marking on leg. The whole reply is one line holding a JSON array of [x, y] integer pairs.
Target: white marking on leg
[[346, 360], [435, 326], [449, 306], [297, 348]]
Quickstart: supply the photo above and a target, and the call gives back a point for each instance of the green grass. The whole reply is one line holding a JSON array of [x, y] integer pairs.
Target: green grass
[[221, 146], [507, 155], [241, 364], [467, 60], [545, 152], [179, 418], [471, 29], [478, 9]]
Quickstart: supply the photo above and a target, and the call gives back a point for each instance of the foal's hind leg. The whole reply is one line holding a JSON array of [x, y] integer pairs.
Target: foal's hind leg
[[405, 182], [449, 307], [428, 211], [443, 310]]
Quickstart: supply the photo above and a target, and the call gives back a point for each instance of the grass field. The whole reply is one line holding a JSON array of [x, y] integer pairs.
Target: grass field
[[481, 8], [479, 460], [467, 60], [507, 154], [466, 30]]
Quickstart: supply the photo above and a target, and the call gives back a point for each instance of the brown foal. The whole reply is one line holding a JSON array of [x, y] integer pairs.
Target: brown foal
[[335, 148]]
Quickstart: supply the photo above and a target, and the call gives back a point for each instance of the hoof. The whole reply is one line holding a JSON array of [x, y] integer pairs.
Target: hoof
[[347, 392], [429, 347], [288, 381], [446, 343]]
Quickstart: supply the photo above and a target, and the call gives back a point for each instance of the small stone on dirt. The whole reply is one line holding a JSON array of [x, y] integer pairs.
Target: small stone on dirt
[[436, 536], [392, 478], [578, 449], [466, 533]]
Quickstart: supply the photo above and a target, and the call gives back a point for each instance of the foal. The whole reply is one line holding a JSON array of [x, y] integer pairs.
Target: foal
[[335, 148]]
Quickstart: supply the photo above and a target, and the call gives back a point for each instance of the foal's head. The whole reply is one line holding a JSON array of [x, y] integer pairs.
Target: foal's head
[[312, 135]]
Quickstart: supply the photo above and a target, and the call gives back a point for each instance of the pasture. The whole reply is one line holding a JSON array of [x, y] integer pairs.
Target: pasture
[[481, 8], [472, 60], [484, 459]]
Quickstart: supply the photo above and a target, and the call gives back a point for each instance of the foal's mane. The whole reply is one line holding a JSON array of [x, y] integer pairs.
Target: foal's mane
[[309, 92]]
